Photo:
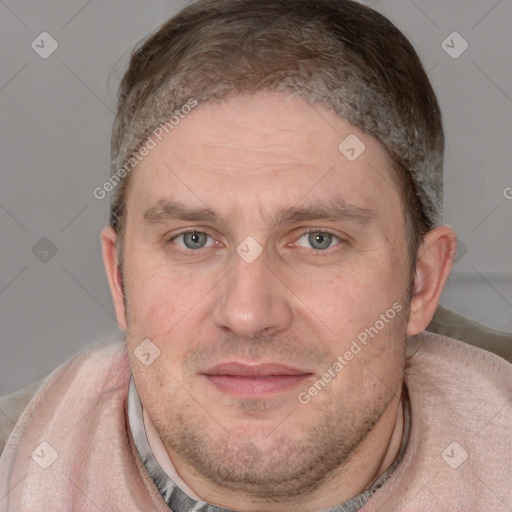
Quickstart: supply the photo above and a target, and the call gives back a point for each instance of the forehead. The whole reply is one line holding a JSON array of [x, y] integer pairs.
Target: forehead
[[260, 153]]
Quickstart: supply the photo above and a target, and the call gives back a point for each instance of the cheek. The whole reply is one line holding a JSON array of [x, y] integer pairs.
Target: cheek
[[166, 306], [157, 304], [352, 296], [157, 312]]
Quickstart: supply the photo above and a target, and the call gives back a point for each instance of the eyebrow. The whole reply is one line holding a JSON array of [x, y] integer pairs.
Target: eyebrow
[[334, 210], [165, 211]]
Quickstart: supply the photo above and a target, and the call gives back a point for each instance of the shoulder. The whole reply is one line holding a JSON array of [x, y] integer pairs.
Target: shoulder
[[461, 402], [100, 356], [457, 379], [11, 407], [452, 325], [459, 444], [446, 361]]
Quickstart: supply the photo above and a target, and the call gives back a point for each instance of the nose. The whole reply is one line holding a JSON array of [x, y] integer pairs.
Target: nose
[[252, 301]]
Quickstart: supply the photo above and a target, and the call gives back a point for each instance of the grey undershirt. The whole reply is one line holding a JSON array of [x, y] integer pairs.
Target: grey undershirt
[[179, 501]]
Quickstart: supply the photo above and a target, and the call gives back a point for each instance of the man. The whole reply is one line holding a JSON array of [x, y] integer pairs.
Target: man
[[275, 253]]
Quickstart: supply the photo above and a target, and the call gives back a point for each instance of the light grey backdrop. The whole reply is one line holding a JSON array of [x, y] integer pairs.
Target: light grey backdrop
[[56, 116]]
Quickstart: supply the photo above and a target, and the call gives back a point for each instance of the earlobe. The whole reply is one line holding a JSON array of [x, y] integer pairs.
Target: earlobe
[[108, 245], [435, 260]]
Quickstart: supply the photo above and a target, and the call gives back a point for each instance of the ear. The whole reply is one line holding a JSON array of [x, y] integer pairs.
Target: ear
[[435, 259], [108, 245]]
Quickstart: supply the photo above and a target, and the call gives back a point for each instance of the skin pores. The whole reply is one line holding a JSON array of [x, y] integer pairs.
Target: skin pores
[[321, 257]]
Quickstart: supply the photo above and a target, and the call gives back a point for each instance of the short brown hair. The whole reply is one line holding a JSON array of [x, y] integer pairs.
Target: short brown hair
[[336, 52]]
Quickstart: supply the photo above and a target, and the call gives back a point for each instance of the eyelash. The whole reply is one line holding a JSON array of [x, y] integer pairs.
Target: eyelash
[[171, 239], [315, 252], [322, 231]]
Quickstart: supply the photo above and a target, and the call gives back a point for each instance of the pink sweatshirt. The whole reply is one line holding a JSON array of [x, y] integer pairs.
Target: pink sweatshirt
[[72, 450]]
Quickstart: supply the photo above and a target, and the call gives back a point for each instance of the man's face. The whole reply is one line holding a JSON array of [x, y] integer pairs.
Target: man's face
[[255, 254]]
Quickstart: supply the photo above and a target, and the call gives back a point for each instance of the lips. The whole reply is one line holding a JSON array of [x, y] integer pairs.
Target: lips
[[254, 381], [260, 370]]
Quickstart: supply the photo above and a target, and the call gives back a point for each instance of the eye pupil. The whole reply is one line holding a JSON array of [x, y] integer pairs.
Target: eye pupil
[[194, 240], [319, 240]]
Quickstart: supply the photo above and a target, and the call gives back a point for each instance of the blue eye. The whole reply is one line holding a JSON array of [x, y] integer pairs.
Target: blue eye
[[192, 240], [318, 240]]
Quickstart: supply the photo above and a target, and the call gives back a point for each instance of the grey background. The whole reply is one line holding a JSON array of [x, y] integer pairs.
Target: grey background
[[55, 120]]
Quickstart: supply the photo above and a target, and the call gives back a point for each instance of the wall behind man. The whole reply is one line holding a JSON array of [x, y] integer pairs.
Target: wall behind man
[[61, 62]]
